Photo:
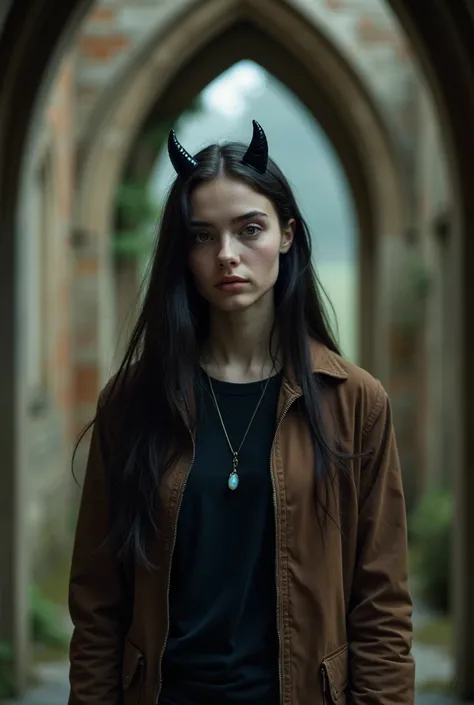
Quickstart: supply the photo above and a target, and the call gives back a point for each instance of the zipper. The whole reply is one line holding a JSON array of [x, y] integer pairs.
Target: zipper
[[324, 676], [141, 665], [277, 564], [175, 532], [284, 412]]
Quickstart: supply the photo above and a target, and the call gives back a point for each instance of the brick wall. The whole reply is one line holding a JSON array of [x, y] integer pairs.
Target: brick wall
[[60, 124]]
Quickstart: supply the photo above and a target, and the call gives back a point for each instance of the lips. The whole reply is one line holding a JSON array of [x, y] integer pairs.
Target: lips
[[231, 284], [231, 280]]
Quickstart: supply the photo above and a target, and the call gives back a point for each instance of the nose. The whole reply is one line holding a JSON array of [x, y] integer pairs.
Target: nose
[[227, 255]]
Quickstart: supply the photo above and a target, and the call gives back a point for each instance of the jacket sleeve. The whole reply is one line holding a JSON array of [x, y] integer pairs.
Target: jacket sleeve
[[381, 667], [97, 593]]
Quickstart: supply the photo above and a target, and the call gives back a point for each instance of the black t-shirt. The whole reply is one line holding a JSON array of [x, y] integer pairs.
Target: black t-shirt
[[222, 647]]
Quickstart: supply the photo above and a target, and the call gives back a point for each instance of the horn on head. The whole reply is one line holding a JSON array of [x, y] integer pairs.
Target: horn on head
[[257, 152], [183, 163]]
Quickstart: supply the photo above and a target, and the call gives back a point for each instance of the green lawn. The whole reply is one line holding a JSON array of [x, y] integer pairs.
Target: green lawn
[[436, 632], [339, 280]]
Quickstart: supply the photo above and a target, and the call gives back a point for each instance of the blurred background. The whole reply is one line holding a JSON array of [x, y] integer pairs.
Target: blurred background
[[353, 123]]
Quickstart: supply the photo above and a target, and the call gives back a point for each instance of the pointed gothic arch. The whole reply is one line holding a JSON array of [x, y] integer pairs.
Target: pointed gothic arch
[[208, 38], [33, 32]]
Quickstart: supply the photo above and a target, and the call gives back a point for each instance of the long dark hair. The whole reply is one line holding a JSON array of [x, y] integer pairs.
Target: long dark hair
[[158, 376]]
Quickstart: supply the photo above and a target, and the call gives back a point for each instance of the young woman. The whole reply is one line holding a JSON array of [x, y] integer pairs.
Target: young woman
[[242, 534]]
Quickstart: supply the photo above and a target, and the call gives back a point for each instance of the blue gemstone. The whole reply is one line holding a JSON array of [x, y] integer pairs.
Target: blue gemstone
[[233, 481]]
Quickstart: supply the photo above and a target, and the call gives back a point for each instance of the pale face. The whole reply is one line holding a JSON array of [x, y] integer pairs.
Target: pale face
[[238, 242]]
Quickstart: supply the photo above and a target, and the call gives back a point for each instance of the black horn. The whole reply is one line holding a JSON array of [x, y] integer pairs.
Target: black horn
[[184, 164], [257, 152]]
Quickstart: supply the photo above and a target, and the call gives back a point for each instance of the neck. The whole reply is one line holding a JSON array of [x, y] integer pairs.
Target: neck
[[238, 348]]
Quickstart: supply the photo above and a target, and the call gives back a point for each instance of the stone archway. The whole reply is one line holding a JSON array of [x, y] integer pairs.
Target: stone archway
[[202, 43], [443, 35], [31, 47]]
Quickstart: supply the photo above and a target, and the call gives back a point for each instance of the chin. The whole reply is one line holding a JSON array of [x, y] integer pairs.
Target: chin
[[231, 304]]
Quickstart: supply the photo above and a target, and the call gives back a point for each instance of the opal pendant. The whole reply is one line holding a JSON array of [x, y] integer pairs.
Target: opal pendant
[[233, 481]]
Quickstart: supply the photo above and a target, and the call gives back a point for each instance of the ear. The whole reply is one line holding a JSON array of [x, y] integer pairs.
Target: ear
[[287, 235]]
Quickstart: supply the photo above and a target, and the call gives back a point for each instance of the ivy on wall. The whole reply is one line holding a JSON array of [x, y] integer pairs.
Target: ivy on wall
[[413, 287], [136, 212]]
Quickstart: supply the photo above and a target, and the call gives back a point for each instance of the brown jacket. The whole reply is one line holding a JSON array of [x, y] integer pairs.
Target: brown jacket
[[344, 609]]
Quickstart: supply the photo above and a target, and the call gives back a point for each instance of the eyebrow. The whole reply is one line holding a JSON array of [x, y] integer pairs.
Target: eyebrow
[[238, 219]]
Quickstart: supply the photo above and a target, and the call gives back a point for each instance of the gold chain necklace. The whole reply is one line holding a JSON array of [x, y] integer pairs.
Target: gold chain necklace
[[233, 480]]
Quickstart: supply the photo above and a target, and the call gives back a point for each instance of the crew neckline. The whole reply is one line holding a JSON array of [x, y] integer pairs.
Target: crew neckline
[[256, 387]]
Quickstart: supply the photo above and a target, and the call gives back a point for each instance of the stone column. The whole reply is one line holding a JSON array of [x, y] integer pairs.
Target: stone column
[[460, 368], [14, 559], [127, 282], [93, 328], [86, 314]]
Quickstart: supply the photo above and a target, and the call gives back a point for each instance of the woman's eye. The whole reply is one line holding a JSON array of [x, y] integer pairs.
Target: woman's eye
[[201, 236], [252, 230]]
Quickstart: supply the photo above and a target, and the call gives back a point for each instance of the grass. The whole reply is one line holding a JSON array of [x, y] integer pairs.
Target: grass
[[436, 632], [339, 280], [437, 687]]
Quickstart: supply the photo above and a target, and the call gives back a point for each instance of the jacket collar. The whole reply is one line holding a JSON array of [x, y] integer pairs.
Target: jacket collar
[[324, 362]]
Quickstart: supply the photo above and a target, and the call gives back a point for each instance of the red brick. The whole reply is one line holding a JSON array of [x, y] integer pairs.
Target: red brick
[[370, 32], [87, 266], [100, 48], [86, 384], [101, 14]]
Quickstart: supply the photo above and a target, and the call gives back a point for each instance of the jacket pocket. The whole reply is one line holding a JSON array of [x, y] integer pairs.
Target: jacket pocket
[[133, 673], [334, 674]]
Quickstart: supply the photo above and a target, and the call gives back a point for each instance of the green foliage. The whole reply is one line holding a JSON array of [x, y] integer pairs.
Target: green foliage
[[6, 670], [136, 212], [47, 630], [133, 244], [431, 534], [46, 621], [413, 286], [134, 204], [157, 135]]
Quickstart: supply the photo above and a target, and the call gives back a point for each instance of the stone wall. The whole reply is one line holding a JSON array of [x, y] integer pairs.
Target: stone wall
[[48, 206], [70, 306]]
